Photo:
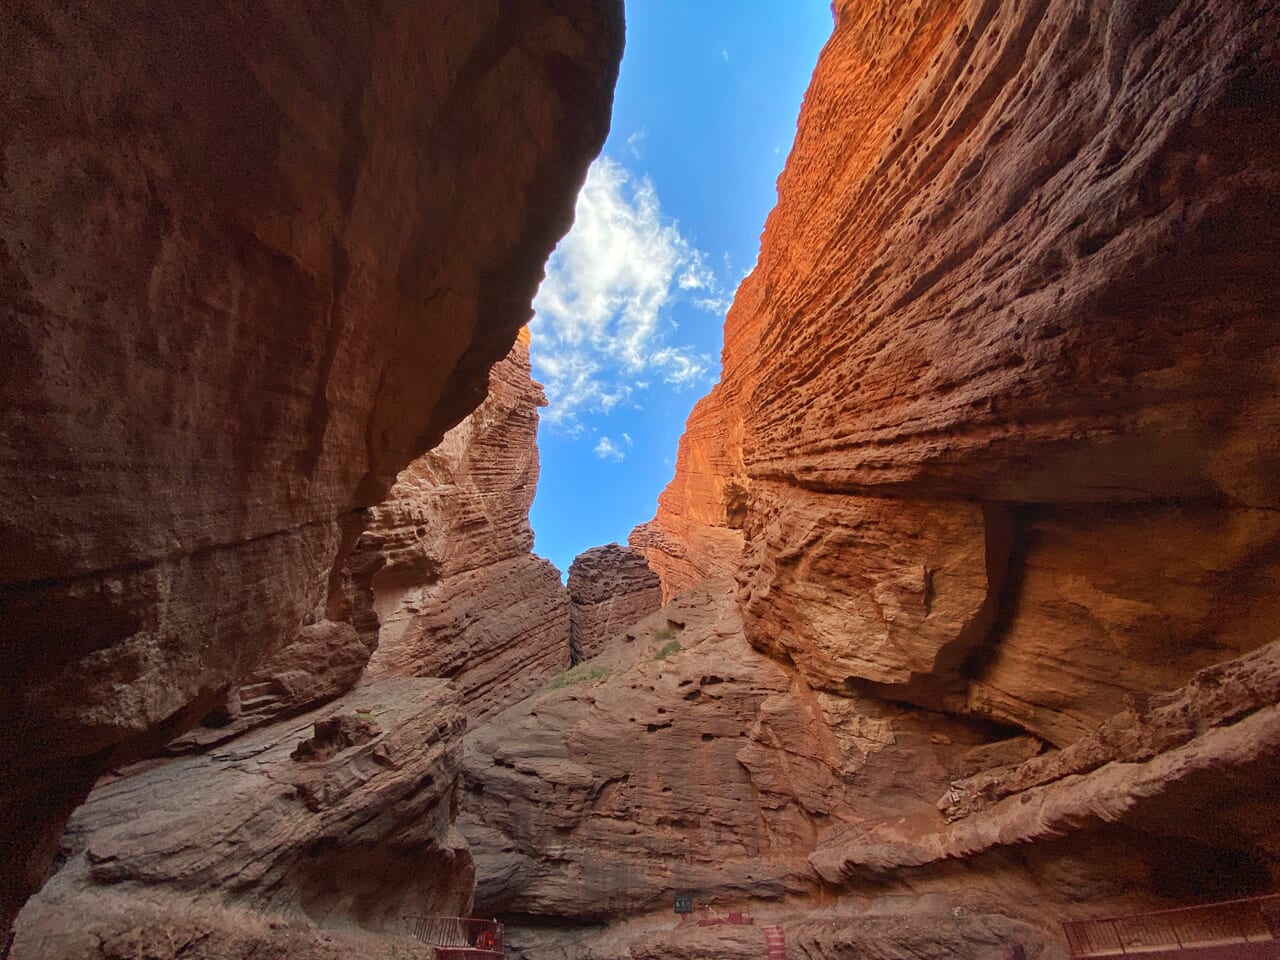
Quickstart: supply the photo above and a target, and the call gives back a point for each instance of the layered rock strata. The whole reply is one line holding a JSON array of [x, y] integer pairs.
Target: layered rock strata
[[252, 266], [998, 405], [610, 588], [715, 771], [342, 816], [697, 534], [994, 444], [459, 592], [696, 763]]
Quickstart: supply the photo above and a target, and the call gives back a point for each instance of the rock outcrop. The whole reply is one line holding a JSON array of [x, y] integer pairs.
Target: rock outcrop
[[250, 267], [681, 758], [458, 591], [342, 816], [597, 796], [995, 442], [610, 588], [697, 534]]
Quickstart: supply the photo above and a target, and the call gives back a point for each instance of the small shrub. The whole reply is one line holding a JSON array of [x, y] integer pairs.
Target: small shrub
[[666, 633], [667, 650], [582, 673]]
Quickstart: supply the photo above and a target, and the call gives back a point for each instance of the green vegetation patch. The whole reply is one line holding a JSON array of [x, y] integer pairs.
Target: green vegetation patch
[[668, 649], [582, 673]]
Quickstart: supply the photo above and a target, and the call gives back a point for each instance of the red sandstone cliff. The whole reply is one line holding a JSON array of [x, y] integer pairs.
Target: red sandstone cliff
[[250, 266], [997, 426], [459, 593], [1003, 383], [610, 588]]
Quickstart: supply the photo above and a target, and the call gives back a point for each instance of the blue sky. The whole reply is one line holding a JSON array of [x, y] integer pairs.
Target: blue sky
[[629, 321]]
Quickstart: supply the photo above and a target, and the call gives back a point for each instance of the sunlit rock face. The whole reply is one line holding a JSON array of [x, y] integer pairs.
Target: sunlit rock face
[[697, 534], [252, 266], [995, 439], [1002, 389], [610, 588], [458, 591]]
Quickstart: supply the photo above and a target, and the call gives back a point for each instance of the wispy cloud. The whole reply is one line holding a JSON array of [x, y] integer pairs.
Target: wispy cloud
[[606, 449], [724, 54], [603, 329], [635, 143]]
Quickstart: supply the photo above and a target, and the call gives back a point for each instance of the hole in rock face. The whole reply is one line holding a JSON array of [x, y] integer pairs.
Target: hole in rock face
[[708, 737]]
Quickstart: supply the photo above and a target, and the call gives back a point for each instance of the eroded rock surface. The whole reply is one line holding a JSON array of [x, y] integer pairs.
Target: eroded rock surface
[[610, 588], [964, 303], [251, 266], [683, 758], [341, 816], [994, 445], [459, 592]]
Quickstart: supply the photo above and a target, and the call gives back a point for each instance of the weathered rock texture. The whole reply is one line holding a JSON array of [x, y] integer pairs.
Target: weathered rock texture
[[588, 800], [610, 588], [459, 593], [1008, 439], [681, 758], [716, 771], [996, 432], [697, 533], [342, 816], [1003, 383], [250, 266]]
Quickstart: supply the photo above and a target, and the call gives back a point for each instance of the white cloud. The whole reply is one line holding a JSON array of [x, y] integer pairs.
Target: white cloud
[[724, 54], [627, 438], [603, 328], [635, 143], [606, 449]]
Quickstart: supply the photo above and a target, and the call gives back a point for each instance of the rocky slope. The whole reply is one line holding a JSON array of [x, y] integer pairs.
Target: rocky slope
[[610, 588], [344, 815], [251, 267], [854, 822], [994, 443], [458, 592]]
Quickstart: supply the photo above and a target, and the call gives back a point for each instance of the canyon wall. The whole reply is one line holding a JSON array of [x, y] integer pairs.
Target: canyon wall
[[458, 591], [252, 266], [995, 442], [249, 819], [610, 588]]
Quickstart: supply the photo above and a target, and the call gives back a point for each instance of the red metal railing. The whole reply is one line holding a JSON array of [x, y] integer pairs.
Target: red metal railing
[[460, 938], [1243, 928]]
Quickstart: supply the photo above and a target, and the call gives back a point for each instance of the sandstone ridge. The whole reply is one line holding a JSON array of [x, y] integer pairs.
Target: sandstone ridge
[[457, 590]]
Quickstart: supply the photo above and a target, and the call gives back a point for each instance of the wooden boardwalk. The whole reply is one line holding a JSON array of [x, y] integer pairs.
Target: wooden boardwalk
[[1234, 930]]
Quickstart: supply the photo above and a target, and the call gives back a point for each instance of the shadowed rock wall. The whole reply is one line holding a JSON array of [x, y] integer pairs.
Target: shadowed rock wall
[[250, 266], [610, 588]]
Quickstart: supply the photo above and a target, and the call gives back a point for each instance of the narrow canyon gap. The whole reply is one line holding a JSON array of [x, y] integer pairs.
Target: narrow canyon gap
[[960, 610]]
